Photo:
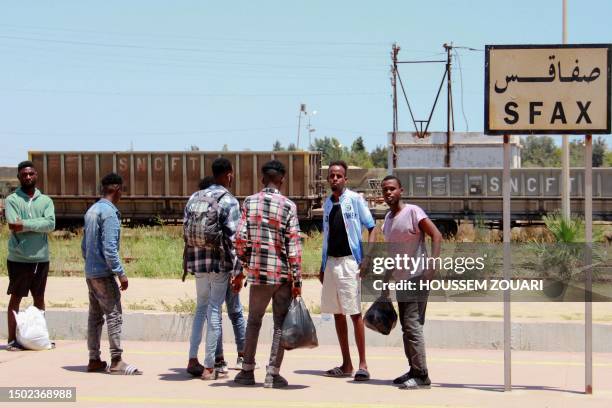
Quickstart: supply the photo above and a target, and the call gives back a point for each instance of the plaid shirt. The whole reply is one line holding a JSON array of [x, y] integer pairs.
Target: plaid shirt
[[205, 260], [268, 239]]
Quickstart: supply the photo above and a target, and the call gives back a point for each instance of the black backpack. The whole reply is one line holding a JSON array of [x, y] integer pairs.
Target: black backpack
[[202, 227]]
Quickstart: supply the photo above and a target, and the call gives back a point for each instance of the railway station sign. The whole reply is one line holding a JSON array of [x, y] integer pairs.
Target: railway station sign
[[547, 89]]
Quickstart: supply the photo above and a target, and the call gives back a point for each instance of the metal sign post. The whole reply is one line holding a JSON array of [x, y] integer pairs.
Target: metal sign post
[[588, 287], [507, 265], [549, 89]]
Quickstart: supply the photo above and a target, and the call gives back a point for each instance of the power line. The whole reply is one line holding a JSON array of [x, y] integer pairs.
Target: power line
[[136, 133], [467, 126], [203, 72], [215, 39], [145, 47], [194, 94]]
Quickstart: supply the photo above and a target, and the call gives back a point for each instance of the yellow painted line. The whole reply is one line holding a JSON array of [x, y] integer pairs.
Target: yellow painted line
[[390, 358], [603, 392], [232, 402]]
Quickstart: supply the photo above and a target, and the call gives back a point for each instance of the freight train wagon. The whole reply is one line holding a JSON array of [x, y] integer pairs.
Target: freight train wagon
[[448, 195], [158, 184]]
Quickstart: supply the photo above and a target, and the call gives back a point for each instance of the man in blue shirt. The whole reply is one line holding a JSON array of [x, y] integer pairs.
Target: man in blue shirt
[[100, 246], [344, 214]]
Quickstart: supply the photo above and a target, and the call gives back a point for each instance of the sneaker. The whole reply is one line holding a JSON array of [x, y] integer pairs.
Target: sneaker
[[403, 378], [245, 378], [275, 381], [240, 362], [195, 370], [416, 383], [221, 368]]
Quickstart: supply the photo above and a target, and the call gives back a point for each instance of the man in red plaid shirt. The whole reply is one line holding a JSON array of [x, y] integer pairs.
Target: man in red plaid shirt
[[268, 245]]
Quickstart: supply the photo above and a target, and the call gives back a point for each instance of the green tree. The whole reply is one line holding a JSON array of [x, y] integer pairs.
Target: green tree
[[360, 159], [379, 157], [540, 151], [331, 149], [277, 147], [358, 146], [292, 147], [577, 152], [599, 152]]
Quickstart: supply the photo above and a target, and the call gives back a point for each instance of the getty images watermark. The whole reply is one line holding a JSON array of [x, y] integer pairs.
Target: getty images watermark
[[474, 272], [418, 267]]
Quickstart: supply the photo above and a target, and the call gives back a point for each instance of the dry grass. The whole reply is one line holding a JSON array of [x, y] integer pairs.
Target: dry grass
[[156, 252]]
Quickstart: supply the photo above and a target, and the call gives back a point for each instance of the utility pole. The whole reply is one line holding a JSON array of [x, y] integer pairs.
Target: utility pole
[[565, 173], [449, 103], [394, 51]]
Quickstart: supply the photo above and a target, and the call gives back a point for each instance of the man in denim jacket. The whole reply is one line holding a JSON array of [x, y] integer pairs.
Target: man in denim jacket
[[344, 214], [100, 246]]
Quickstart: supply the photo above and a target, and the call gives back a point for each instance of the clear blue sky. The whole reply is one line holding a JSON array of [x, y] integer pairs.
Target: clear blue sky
[[163, 75]]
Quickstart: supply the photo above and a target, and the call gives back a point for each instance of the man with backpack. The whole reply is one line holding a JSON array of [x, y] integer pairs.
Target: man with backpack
[[234, 312], [211, 217]]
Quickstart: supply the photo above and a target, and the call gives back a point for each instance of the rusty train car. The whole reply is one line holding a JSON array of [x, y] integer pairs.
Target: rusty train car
[[451, 194], [158, 184]]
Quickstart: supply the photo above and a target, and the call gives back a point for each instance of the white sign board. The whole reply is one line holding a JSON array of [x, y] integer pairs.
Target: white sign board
[[547, 89]]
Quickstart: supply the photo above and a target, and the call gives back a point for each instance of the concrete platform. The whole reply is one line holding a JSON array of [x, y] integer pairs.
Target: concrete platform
[[439, 333], [163, 295], [461, 378]]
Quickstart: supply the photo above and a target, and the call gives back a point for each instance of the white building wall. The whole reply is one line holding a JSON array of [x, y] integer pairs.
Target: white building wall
[[467, 150]]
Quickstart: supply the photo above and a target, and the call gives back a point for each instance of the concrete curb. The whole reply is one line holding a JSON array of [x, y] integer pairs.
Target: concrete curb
[[450, 334]]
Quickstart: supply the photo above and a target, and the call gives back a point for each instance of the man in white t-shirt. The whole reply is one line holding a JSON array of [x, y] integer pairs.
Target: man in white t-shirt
[[404, 228]]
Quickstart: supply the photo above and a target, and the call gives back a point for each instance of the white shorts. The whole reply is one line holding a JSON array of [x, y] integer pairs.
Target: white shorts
[[341, 292]]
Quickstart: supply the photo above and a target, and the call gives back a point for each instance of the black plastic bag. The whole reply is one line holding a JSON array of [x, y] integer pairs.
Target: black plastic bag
[[381, 316], [298, 329]]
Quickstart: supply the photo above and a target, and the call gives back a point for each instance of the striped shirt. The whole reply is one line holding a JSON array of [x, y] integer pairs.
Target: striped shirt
[[203, 259], [268, 239]]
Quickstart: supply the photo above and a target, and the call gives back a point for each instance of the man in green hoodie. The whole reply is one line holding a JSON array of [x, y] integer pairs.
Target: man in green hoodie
[[30, 215]]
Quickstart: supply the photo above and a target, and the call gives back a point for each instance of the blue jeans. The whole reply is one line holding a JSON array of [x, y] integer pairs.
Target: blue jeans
[[211, 288], [234, 311]]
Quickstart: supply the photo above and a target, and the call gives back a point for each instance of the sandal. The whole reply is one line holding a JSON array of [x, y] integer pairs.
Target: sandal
[[362, 375], [97, 366], [14, 346], [124, 369], [210, 375], [337, 372]]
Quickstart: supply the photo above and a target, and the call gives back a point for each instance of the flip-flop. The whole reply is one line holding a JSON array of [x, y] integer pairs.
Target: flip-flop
[[362, 375], [337, 372], [14, 346], [124, 369]]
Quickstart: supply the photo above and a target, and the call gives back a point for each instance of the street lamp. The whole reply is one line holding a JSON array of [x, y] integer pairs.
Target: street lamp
[[302, 110], [310, 129]]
